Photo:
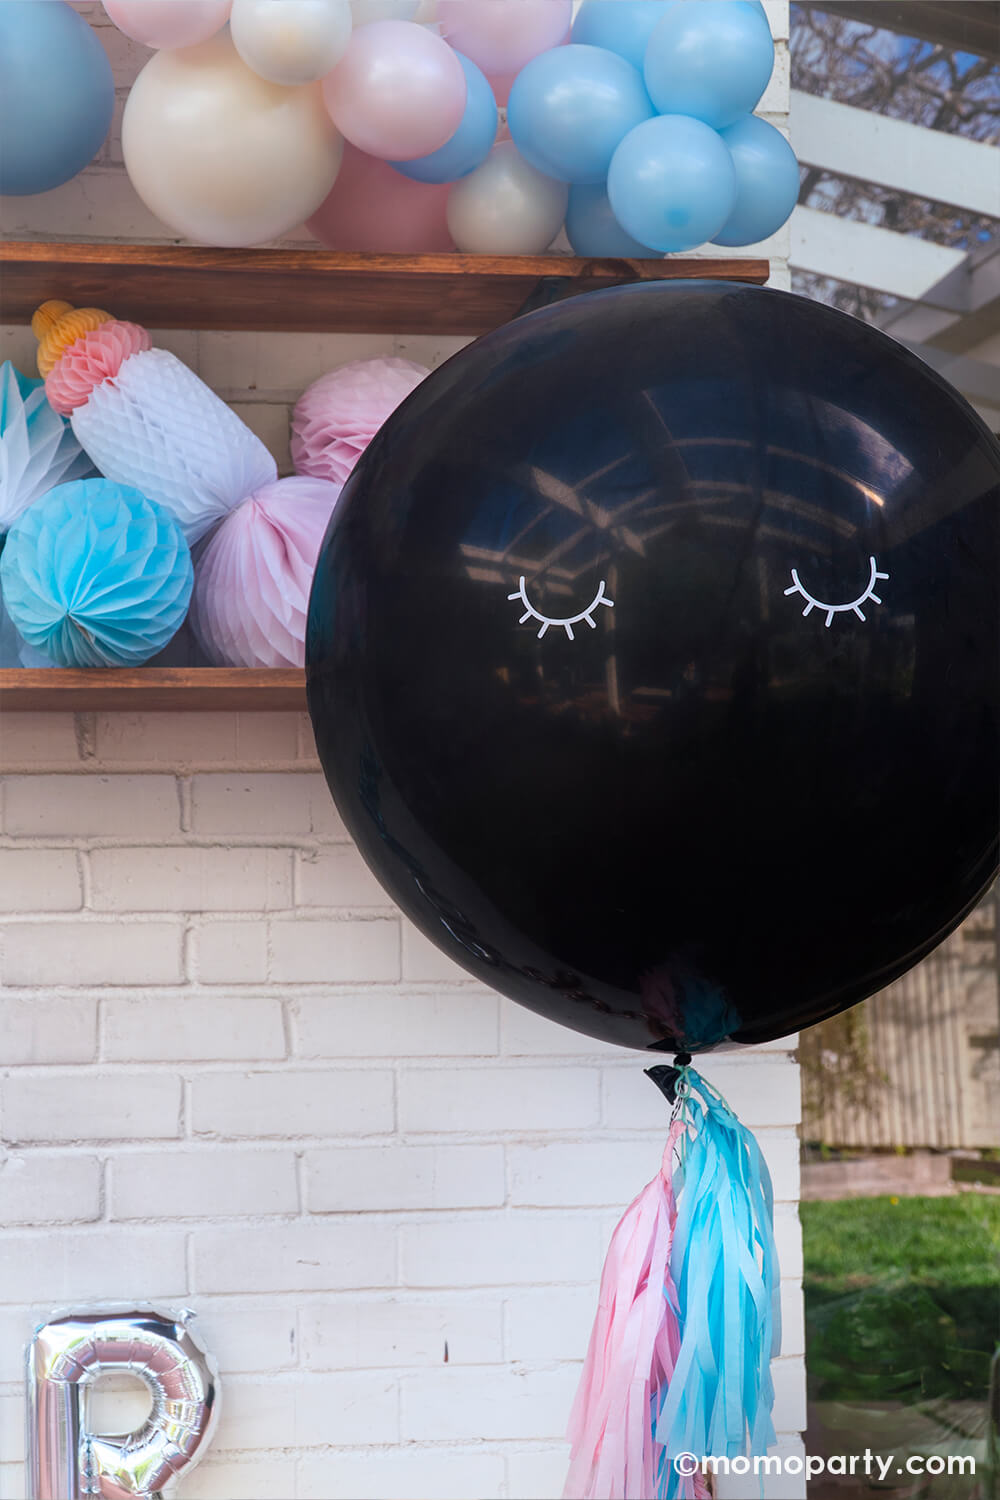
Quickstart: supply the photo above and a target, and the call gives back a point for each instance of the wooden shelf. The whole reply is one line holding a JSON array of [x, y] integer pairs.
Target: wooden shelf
[[145, 689], [310, 291]]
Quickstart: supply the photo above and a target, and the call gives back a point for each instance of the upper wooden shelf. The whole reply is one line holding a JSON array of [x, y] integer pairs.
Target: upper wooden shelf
[[311, 291]]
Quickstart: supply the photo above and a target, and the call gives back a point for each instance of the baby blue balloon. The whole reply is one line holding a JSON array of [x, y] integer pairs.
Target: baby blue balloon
[[767, 181], [622, 26], [672, 183], [711, 60], [56, 95], [95, 575], [469, 147], [570, 108], [592, 228]]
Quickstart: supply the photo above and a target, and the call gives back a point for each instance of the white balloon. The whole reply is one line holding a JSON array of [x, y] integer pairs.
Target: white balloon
[[291, 41], [506, 207], [221, 155], [383, 10]]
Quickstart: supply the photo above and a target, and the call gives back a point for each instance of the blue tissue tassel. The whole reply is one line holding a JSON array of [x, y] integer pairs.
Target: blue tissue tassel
[[724, 1267]]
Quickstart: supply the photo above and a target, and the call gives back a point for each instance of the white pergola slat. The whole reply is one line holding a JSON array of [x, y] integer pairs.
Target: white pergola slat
[[899, 264], [873, 148]]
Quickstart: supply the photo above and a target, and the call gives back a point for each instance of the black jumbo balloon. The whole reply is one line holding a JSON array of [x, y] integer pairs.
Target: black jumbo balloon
[[653, 661]]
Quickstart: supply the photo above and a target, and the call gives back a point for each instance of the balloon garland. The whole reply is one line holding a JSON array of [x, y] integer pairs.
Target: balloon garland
[[235, 134]]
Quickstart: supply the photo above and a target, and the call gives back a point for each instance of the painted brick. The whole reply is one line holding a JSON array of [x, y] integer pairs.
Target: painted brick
[[793, 1318], [788, 1239], [267, 738], [474, 1404], [13, 1485], [248, 1336], [42, 1189], [270, 803], [411, 1473], [40, 880], [48, 1029], [549, 1324], [336, 875], [789, 1395], [502, 1250], [12, 1426], [165, 739], [353, 1335], [292, 1104], [16, 1327], [335, 952], [231, 952], [498, 1099], [37, 741], [90, 1265], [89, 953], [424, 963], [396, 1024], [537, 1472], [96, 805], [140, 1028], [525, 1034], [300, 1257], [582, 1173], [400, 1177], [262, 1478], [344, 1410], [173, 1185], [192, 880], [91, 1107]]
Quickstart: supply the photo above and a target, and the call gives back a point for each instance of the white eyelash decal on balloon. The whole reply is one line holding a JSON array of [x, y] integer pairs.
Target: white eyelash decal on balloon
[[837, 609], [531, 613]]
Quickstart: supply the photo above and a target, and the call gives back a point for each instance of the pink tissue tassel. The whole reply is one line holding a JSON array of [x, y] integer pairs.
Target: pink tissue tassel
[[632, 1353]]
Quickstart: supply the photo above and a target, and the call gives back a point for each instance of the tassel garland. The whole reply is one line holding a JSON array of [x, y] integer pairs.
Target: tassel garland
[[688, 1317]]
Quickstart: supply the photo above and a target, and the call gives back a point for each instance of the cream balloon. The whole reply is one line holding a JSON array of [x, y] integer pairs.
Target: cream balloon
[[506, 207], [291, 41], [221, 155]]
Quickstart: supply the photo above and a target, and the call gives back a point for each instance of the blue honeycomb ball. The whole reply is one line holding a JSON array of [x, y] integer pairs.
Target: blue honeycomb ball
[[95, 575]]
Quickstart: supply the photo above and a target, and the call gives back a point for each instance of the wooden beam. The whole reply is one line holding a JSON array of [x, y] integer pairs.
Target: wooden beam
[[965, 25], [895, 154], [900, 264]]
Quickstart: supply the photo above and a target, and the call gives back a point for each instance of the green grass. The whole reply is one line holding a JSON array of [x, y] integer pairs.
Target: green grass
[[902, 1298], [861, 1242]]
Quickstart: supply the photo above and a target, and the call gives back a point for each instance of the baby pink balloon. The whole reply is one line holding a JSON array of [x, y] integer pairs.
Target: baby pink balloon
[[166, 24], [502, 35], [398, 91], [371, 207]]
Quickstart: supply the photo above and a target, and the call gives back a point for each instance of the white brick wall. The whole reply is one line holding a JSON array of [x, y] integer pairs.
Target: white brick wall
[[234, 1079]]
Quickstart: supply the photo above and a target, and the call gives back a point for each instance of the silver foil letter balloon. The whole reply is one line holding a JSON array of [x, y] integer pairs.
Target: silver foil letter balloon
[[67, 1355]]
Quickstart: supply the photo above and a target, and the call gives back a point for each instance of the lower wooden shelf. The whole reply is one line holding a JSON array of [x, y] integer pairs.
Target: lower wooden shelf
[[152, 689]]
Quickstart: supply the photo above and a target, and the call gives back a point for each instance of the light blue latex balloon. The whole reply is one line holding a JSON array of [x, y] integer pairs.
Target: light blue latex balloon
[[570, 108], [622, 26], [592, 228], [96, 575], [56, 95], [672, 183], [469, 147], [767, 181], [711, 60]]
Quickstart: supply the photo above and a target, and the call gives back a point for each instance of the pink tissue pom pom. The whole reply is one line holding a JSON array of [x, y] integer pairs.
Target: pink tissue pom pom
[[337, 417], [90, 360], [252, 582]]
